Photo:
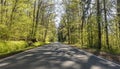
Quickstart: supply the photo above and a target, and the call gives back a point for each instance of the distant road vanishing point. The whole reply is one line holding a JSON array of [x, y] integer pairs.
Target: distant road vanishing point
[[56, 56]]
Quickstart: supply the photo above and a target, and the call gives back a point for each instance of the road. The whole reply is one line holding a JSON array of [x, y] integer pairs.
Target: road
[[56, 56]]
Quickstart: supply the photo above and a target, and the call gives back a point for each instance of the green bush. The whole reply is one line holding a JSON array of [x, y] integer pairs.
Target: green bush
[[11, 46]]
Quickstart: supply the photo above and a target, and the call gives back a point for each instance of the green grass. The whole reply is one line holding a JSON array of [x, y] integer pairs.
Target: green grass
[[113, 50], [12, 47], [36, 44]]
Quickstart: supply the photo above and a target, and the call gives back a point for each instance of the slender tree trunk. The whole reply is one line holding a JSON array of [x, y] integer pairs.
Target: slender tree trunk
[[2, 4], [45, 35], [68, 29], [34, 19], [12, 13], [46, 28], [83, 21], [106, 24], [118, 14], [99, 24], [6, 13], [37, 18], [89, 30]]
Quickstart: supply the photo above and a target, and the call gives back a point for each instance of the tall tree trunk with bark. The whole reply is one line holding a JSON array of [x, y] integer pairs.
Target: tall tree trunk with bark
[[37, 18], [99, 24], [118, 14], [106, 24], [83, 21]]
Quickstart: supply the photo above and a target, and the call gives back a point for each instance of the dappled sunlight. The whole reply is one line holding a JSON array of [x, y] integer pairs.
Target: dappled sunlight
[[4, 64], [57, 57], [48, 53], [90, 25], [108, 63], [22, 57], [82, 57], [96, 67], [70, 64], [63, 49]]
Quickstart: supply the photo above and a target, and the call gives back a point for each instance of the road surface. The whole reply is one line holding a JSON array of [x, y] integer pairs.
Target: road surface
[[56, 56]]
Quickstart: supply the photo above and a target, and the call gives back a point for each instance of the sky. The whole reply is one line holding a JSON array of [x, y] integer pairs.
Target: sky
[[59, 10]]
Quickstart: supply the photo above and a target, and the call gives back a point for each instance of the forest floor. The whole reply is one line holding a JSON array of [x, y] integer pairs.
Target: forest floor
[[108, 56], [56, 56], [111, 57]]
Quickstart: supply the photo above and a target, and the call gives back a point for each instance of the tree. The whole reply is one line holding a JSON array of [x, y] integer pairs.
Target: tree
[[99, 24], [118, 15], [24, 20], [106, 24]]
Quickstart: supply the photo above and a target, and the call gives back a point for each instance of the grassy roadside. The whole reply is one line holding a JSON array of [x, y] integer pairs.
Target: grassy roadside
[[8, 48], [112, 55]]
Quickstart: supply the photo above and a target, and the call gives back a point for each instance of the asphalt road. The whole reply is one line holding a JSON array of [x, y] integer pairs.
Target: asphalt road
[[56, 56]]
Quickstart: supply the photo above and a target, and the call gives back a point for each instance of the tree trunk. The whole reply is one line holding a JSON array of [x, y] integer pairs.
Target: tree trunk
[[34, 18], [106, 24], [118, 14], [12, 13], [37, 18], [99, 24], [83, 21], [2, 4]]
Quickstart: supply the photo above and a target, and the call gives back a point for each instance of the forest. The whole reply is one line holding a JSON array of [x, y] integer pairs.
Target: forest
[[25, 23], [93, 24]]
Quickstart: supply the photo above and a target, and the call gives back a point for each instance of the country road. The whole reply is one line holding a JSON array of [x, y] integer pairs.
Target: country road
[[56, 56]]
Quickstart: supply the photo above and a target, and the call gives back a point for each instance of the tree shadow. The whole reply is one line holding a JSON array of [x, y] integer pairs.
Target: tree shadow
[[55, 56]]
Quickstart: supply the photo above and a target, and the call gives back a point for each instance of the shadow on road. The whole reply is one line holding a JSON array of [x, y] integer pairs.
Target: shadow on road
[[55, 56]]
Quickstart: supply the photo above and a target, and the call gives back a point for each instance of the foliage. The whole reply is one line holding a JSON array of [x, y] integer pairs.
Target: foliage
[[91, 24], [22, 21], [25, 20], [11, 47]]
